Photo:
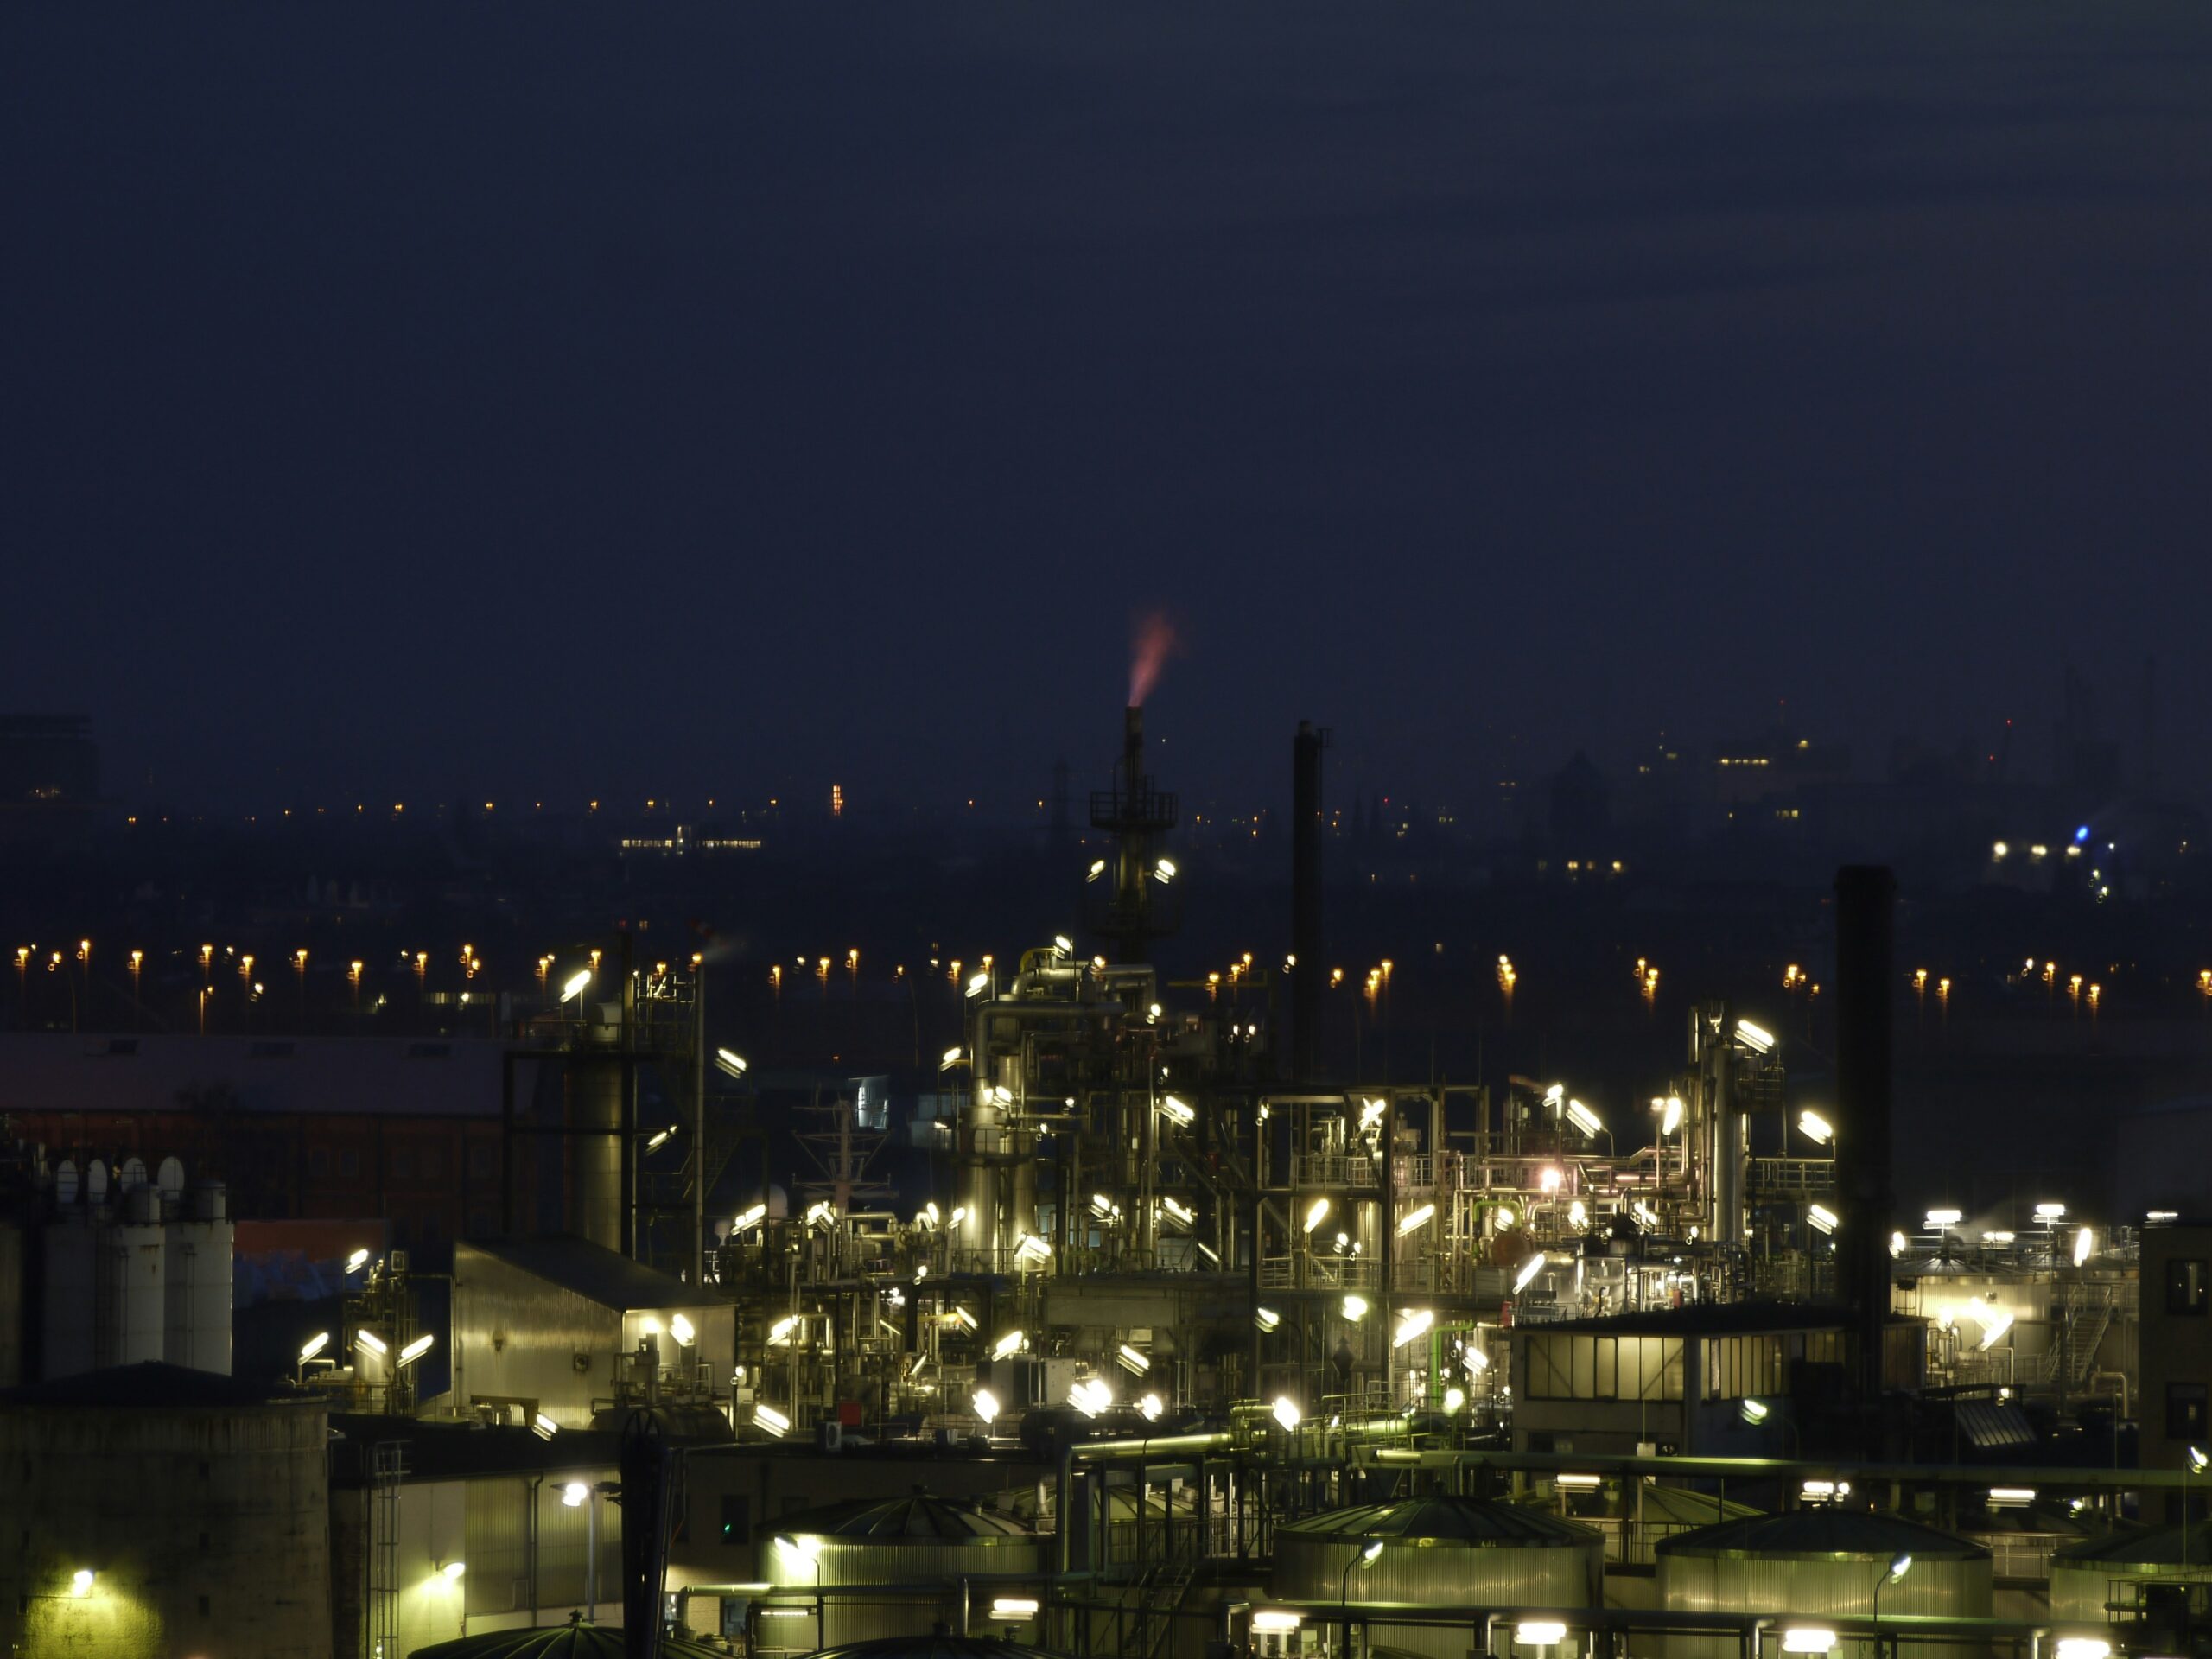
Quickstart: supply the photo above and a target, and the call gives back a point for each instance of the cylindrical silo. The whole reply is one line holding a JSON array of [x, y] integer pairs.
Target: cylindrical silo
[[914, 1541], [198, 1321], [2084, 1577], [596, 1083], [70, 1244], [1441, 1552], [132, 1293], [1818, 1563]]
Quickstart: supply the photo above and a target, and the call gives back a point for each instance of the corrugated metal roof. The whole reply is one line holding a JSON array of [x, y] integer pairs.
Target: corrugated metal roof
[[1824, 1531], [2146, 1546], [592, 1271], [1683, 1507], [1990, 1425], [918, 1515], [565, 1642], [1466, 1520]]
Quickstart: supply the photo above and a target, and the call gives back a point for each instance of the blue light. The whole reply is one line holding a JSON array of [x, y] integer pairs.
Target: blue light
[[2082, 833]]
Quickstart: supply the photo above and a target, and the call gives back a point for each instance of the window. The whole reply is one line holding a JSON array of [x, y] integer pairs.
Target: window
[[737, 1519], [1604, 1367], [2185, 1415], [2186, 1285]]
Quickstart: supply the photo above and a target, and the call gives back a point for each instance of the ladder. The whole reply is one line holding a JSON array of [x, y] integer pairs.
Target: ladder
[[387, 1465]]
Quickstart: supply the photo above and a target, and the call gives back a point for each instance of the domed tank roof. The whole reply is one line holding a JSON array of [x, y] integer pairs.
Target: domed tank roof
[[1474, 1521], [917, 1515], [938, 1646], [2143, 1547], [1823, 1532], [570, 1641]]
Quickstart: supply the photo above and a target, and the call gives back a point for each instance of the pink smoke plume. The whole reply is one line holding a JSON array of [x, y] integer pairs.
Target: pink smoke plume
[[1150, 646]]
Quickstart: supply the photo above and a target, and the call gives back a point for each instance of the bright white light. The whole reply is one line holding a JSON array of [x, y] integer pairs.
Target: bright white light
[[544, 1427], [1013, 1607], [369, 1342], [681, 1329], [453, 1570], [1477, 1359], [751, 1218], [1755, 1412], [1671, 1119], [1412, 1324], [415, 1349], [1529, 1269], [574, 988], [1355, 1307], [1091, 1396], [1803, 1639], [1097, 869], [1285, 1411], [81, 1581], [985, 1405], [1943, 1217], [1897, 1243], [314, 1345], [2051, 1211], [1454, 1399], [1414, 1218], [1266, 1317], [1539, 1632], [2083, 1243], [1373, 1553], [2198, 1462], [1822, 1218], [978, 983], [1176, 1110], [1578, 1214], [807, 1547], [1316, 1213], [1757, 1039], [1007, 1345], [2001, 1497], [1584, 1119], [1817, 1129], [779, 1334], [1993, 1327], [1149, 1407], [1030, 1248], [1899, 1568], [2083, 1647], [1063, 944], [1271, 1622], [574, 1494], [951, 1058], [1550, 1179], [356, 1261], [1164, 869], [731, 1062], [821, 1213], [1133, 1361], [770, 1422]]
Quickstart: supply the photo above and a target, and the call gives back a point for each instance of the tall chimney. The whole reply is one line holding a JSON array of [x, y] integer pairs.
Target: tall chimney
[[1865, 899], [1306, 974]]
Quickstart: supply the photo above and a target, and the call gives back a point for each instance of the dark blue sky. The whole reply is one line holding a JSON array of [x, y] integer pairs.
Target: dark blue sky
[[451, 399]]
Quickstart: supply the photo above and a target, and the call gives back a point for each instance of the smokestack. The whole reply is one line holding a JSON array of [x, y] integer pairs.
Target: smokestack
[[1865, 899], [1306, 975]]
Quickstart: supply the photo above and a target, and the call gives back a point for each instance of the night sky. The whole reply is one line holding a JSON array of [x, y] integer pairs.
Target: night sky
[[458, 400]]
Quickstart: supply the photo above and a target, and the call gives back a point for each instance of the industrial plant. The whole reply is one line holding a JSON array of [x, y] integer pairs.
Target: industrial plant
[[1163, 1341]]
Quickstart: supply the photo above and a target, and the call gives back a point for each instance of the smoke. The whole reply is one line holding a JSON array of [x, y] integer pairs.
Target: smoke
[[1151, 644]]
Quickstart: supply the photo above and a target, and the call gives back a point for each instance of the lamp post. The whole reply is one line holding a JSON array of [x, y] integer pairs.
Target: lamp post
[[1897, 1568], [1366, 1558], [808, 1550], [2193, 1464]]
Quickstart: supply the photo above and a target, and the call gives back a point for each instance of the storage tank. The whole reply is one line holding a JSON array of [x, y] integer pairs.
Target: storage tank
[[132, 1295], [70, 1245], [914, 1541], [197, 1505], [197, 1315], [1818, 1563], [1445, 1552], [572, 1641], [2087, 1577]]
